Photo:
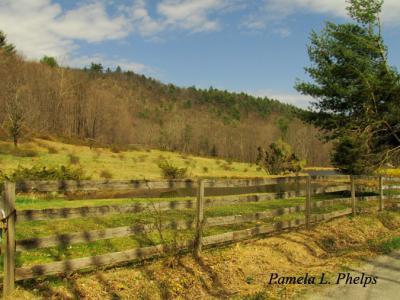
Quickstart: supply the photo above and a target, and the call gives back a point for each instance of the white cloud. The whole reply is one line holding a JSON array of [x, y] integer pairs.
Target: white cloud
[[290, 98], [44, 27], [272, 11], [283, 32], [189, 15], [40, 27]]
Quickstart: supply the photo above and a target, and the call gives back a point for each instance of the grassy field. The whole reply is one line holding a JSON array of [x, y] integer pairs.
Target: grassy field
[[102, 162], [128, 165], [33, 229], [237, 272], [51, 227]]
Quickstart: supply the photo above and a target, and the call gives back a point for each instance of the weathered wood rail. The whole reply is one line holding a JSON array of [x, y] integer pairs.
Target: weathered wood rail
[[286, 187], [70, 213]]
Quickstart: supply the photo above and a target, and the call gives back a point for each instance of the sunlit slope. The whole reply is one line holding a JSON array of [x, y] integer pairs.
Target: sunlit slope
[[135, 164]]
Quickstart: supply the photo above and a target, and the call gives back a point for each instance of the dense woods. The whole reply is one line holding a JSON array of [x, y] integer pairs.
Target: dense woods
[[123, 108]]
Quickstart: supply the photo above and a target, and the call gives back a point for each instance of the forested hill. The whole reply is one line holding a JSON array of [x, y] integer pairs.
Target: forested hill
[[124, 108]]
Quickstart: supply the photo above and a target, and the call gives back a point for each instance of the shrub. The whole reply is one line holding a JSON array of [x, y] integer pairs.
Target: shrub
[[279, 159], [169, 171], [106, 174], [227, 168], [117, 148], [24, 153], [142, 158], [10, 150], [73, 159], [205, 169], [38, 172], [348, 155], [52, 150]]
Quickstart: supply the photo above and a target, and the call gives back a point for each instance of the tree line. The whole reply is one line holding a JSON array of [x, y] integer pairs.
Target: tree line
[[105, 108]]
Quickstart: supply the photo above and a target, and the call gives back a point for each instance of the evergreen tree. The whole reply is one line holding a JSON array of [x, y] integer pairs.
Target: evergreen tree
[[96, 68], [50, 61], [356, 91], [4, 45]]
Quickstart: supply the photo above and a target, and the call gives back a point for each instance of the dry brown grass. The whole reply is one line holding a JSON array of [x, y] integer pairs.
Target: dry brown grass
[[235, 271]]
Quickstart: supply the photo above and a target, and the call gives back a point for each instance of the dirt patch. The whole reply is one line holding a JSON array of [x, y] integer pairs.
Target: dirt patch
[[237, 271]]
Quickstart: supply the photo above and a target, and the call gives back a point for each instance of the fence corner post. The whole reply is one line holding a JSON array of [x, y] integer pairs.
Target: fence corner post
[[9, 253], [308, 202], [381, 196], [199, 218], [353, 195]]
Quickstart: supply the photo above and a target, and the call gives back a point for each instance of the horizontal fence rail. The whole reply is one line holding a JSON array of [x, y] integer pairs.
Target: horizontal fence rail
[[125, 231], [117, 185], [79, 212], [159, 250], [269, 221]]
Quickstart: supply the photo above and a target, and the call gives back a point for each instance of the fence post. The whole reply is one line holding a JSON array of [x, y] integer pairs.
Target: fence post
[[308, 202], [297, 185], [9, 253], [353, 195], [199, 218], [381, 197]]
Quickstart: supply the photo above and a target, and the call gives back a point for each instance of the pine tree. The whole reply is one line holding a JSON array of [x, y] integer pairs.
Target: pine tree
[[356, 92]]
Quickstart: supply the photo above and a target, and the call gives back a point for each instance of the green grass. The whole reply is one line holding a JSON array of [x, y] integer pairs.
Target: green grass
[[128, 165], [133, 165], [122, 165], [26, 203], [43, 228], [36, 229], [390, 245]]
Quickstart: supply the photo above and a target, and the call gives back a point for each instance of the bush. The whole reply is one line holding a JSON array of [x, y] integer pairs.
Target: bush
[[106, 174], [227, 167], [349, 155], [205, 169], [169, 171], [118, 148], [44, 173], [10, 150], [52, 150], [24, 153], [279, 159], [73, 159], [142, 158]]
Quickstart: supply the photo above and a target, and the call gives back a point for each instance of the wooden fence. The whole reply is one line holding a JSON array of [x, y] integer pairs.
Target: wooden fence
[[284, 187]]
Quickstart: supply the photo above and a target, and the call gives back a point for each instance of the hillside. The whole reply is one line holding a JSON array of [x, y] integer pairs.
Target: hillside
[[124, 108], [106, 163]]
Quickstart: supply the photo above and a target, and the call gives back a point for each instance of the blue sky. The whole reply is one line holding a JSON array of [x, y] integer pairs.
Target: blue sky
[[255, 46]]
